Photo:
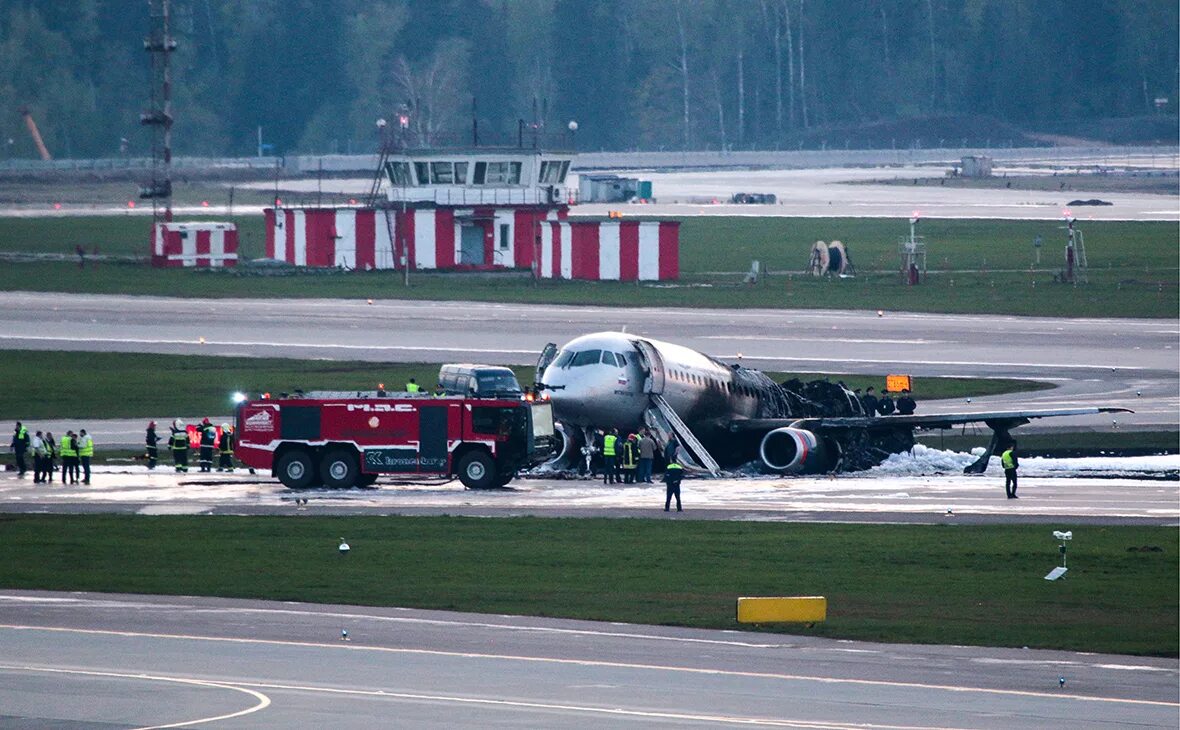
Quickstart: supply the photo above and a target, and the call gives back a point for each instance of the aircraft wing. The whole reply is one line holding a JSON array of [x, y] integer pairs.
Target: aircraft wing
[[1006, 419]]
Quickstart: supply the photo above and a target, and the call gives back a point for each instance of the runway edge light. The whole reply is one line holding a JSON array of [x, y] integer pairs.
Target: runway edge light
[[782, 609]]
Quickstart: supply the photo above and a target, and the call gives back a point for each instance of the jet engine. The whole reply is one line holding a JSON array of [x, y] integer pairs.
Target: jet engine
[[795, 451]]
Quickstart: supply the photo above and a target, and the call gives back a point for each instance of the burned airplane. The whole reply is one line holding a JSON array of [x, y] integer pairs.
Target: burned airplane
[[728, 415]]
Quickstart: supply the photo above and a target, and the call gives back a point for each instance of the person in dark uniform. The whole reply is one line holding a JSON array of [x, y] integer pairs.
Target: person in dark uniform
[[178, 442], [208, 442], [50, 455], [225, 446], [869, 401], [151, 439], [630, 458], [672, 476], [906, 404], [1011, 463], [885, 405], [20, 444], [671, 450]]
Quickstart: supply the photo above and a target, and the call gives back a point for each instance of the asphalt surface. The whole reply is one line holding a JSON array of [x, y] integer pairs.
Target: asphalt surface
[[127, 661], [1100, 362], [1062, 500], [840, 191]]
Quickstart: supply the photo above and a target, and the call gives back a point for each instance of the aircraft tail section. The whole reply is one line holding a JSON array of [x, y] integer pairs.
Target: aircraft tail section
[[662, 419]]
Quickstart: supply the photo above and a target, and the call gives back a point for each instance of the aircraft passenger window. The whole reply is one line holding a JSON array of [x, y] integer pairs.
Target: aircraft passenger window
[[586, 357], [608, 358], [563, 359]]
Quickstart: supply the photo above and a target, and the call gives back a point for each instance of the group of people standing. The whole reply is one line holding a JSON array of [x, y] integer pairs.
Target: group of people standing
[[75, 450], [630, 460], [885, 405], [212, 440]]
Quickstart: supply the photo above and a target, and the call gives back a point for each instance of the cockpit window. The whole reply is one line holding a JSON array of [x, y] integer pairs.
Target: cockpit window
[[563, 359], [608, 358], [622, 359], [586, 357]]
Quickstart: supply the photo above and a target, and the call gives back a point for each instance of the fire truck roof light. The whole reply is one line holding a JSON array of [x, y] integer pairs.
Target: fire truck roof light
[[239, 397]]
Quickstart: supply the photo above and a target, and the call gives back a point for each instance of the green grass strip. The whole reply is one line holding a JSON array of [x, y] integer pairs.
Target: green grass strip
[[126, 385], [980, 585]]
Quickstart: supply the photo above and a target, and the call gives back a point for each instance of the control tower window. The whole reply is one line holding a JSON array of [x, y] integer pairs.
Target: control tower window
[[514, 173], [553, 171], [422, 170], [461, 173], [442, 173], [399, 173], [480, 173]]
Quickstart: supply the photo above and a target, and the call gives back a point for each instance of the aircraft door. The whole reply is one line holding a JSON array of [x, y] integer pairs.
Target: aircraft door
[[653, 364], [545, 360]]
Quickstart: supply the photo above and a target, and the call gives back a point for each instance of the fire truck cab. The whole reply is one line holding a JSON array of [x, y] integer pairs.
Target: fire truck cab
[[347, 439]]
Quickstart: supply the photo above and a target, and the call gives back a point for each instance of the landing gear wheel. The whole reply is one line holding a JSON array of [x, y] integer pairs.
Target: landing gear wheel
[[339, 468], [295, 469], [477, 470]]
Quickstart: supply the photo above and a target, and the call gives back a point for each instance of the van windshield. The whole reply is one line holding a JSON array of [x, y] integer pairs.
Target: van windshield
[[497, 383]]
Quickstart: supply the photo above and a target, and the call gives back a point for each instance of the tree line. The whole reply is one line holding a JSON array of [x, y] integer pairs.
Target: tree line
[[315, 75]]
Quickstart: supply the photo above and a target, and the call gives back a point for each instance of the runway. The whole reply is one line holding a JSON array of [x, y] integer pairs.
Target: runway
[[135, 661], [1128, 363], [933, 490]]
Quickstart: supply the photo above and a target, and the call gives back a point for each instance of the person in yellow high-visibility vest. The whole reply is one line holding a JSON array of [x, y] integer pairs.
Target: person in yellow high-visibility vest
[[85, 451], [1011, 463], [69, 459], [610, 474], [413, 387]]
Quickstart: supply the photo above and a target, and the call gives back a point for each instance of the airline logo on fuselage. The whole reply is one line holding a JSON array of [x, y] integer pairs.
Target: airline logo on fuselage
[[381, 407]]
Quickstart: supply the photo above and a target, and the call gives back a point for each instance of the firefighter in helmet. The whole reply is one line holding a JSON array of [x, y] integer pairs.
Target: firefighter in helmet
[[178, 442], [208, 442], [225, 446]]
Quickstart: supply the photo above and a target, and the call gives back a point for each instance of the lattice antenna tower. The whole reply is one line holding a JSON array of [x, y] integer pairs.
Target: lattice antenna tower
[[160, 44]]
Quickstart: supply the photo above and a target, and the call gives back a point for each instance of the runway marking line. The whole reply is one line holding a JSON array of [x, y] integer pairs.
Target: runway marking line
[[600, 663], [263, 700], [616, 711]]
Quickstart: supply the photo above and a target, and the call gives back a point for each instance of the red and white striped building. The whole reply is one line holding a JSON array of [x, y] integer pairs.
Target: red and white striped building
[[478, 209], [194, 244], [542, 238]]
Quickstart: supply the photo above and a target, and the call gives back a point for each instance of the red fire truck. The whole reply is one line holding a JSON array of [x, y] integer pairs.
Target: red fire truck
[[346, 439]]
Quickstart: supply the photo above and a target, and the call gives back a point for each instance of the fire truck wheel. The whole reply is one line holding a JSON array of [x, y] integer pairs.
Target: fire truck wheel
[[295, 469], [339, 469], [366, 480], [477, 470], [502, 479]]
